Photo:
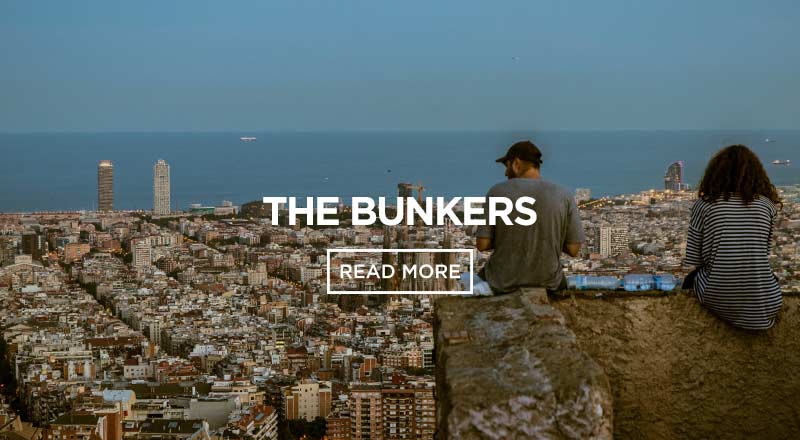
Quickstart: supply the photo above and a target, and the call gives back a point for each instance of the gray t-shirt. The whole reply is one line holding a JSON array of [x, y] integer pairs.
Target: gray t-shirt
[[530, 255]]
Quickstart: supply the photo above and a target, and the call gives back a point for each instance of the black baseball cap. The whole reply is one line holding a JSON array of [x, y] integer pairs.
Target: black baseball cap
[[525, 150]]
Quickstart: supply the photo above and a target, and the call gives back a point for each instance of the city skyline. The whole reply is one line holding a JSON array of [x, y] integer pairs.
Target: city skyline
[[208, 168], [400, 282], [221, 328]]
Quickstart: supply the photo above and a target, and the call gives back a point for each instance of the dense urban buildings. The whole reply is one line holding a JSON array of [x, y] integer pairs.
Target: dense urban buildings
[[105, 186], [161, 200], [213, 325]]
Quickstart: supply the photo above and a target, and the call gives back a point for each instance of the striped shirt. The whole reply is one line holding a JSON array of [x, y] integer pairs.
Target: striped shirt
[[729, 242]]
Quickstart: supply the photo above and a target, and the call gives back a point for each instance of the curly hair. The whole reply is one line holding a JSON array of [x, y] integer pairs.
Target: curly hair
[[736, 170]]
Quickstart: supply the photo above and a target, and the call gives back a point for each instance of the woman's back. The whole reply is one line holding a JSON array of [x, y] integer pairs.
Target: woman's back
[[729, 240]]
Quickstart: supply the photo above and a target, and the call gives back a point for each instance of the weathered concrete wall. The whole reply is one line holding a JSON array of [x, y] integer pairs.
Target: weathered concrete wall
[[678, 372], [508, 367], [511, 367]]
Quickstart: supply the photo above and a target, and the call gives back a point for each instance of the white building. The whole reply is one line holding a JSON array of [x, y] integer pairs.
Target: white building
[[142, 255], [137, 371], [155, 332], [612, 240], [307, 400]]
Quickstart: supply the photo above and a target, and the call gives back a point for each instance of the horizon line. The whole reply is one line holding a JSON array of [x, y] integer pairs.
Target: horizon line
[[373, 130]]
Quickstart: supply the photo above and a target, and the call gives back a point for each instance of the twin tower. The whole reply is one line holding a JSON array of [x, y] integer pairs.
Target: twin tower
[[105, 187]]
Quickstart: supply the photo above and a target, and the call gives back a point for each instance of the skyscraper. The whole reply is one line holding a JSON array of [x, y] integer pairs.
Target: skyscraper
[[673, 178], [105, 186], [405, 190], [161, 202]]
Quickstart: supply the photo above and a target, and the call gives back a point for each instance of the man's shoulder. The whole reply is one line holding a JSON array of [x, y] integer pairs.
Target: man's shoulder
[[538, 188], [557, 189], [513, 185]]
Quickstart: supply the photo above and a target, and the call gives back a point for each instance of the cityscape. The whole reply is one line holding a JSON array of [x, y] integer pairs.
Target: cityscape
[[315, 220], [210, 323]]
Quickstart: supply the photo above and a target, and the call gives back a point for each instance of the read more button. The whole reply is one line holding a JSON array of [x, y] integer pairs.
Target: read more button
[[406, 271], [426, 271]]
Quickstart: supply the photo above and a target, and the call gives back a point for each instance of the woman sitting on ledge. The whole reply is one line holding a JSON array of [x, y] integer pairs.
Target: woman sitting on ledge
[[730, 231]]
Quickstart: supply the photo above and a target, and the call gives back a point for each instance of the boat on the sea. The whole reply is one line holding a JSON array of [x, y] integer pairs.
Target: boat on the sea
[[248, 138], [769, 141], [782, 162]]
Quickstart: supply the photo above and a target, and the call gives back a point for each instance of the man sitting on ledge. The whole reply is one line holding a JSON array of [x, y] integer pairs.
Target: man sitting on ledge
[[530, 256]]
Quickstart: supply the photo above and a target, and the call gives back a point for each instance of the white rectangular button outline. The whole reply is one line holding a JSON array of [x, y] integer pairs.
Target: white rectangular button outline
[[400, 292]]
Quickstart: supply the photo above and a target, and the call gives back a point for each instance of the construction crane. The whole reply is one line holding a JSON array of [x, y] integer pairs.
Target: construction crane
[[407, 190], [420, 189]]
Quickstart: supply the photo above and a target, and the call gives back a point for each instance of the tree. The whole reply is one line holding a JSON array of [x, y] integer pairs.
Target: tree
[[414, 371], [314, 430], [8, 383], [91, 288], [5, 367]]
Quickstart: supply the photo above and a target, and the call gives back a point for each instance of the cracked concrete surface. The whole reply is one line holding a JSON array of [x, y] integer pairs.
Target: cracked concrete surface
[[643, 366], [507, 367]]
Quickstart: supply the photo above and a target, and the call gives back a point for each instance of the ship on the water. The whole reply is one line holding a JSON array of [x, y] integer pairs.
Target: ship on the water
[[248, 138], [786, 162]]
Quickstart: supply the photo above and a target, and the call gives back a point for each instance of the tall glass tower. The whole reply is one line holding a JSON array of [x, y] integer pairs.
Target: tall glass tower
[[105, 186], [673, 178], [161, 202]]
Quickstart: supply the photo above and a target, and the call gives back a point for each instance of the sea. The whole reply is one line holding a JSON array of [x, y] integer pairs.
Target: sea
[[58, 171]]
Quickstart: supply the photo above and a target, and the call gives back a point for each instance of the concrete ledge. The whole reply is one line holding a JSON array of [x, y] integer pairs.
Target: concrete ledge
[[678, 372], [508, 367]]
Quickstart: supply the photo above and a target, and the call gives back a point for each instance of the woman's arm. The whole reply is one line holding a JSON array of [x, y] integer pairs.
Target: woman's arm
[[694, 239], [773, 219]]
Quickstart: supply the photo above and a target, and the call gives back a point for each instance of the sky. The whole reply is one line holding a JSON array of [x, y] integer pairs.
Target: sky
[[399, 65]]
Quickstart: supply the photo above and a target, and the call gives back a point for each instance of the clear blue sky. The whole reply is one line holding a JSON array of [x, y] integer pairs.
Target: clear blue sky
[[336, 64]]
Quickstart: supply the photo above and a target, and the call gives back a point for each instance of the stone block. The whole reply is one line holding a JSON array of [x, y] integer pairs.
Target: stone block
[[508, 367]]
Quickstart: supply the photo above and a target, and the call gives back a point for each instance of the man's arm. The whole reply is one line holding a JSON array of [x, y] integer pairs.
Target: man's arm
[[572, 249], [574, 237], [484, 235], [484, 244], [694, 240]]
